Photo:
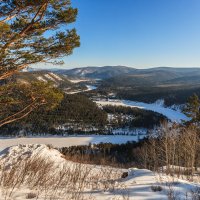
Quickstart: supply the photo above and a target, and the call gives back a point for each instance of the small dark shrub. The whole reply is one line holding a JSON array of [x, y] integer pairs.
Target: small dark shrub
[[156, 188], [124, 175]]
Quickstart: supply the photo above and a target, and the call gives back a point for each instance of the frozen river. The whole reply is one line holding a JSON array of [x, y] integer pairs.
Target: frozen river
[[66, 141], [173, 115]]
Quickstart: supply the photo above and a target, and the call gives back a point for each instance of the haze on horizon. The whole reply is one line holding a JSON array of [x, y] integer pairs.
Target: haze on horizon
[[135, 33]]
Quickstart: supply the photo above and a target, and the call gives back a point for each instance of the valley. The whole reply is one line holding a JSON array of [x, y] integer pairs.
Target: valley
[[113, 131], [95, 104]]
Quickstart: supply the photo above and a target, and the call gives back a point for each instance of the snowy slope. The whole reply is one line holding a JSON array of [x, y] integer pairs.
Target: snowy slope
[[173, 115], [137, 186]]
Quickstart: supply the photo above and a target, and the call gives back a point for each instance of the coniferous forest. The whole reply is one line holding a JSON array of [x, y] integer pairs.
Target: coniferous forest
[[78, 114]]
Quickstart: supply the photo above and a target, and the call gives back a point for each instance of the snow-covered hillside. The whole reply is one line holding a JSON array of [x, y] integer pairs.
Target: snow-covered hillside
[[173, 115], [45, 77], [41, 172]]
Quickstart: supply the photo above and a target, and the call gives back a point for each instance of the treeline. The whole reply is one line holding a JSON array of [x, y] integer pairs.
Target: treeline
[[170, 95], [139, 118], [115, 155]]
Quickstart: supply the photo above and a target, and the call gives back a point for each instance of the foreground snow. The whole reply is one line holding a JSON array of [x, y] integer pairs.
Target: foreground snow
[[67, 141], [137, 186], [173, 115]]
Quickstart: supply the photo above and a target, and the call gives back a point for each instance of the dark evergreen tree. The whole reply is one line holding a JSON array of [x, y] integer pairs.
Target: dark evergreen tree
[[19, 100], [33, 31], [192, 109]]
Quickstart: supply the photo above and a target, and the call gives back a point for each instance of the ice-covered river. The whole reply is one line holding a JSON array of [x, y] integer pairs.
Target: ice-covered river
[[173, 115], [67, 141]]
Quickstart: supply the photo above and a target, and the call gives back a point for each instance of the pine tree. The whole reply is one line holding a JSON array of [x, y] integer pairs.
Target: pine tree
[[33, 31], [19, 100], [191, 109]]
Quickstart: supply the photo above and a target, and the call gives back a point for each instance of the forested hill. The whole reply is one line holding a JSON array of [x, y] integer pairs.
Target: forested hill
[[78, 114]]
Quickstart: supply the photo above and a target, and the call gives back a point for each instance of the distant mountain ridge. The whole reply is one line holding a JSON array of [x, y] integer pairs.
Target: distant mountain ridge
[[104, 72], [157, 74]]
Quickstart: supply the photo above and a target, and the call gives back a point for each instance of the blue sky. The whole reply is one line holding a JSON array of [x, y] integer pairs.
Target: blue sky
[[137, 33]]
